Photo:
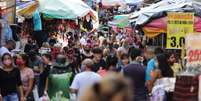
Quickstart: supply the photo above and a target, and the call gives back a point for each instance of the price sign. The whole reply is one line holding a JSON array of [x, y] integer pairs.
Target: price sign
[[179, 24], [193, 46]]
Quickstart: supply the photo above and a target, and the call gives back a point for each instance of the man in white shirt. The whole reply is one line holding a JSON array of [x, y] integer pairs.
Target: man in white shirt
[[10, 45], [85, 79]]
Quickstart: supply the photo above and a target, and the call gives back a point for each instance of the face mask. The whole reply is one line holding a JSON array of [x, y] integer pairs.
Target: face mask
[[7, 62], [19, 62]]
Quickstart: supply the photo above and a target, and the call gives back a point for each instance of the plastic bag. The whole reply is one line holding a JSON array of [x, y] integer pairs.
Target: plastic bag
[[44, 98], [59, 97]]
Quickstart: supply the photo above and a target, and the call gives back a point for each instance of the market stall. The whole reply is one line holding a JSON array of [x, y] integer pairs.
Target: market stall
[[176, 19], [153, 18], [66, 16], [61, 21]]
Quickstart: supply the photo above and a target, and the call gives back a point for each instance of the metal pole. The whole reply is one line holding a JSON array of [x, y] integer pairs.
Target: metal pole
[[162, 40], [15, 12]]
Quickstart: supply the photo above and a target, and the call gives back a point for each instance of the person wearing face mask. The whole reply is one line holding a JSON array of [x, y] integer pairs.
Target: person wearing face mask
[[27, 76], [10, 81], [8, 47]]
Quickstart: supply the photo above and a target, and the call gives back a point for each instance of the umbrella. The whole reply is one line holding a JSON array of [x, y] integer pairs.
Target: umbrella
[[64, 9], [120, 21], [109, 3], [28, 11]]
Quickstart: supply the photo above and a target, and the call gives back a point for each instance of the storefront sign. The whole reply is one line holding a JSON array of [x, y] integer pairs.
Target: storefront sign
[[193, 46], [178, 25]]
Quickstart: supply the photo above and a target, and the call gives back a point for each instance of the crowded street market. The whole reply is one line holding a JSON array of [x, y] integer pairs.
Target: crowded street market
[[100, 50]]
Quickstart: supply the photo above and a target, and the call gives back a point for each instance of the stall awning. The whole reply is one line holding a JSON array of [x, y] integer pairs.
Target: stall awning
[[64, 9], [120, 21], [28, 11], [159, 26]]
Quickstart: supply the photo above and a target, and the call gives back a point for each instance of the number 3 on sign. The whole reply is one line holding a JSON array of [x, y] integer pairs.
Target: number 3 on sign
[[176, 42], [173, 41]]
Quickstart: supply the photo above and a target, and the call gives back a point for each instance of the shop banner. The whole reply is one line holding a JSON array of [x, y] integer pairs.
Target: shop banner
[[193, 46], [179, 24]]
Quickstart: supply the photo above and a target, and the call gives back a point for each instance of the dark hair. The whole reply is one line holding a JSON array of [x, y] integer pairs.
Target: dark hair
[[158, 50], [5, 54], [65, 49], [10, 42], [111, 60], [134, 52], [48, 56], [97, 51], [124, 56], [25, 58], [163, 65]]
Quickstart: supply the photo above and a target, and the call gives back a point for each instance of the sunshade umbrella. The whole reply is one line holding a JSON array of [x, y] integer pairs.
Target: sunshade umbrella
[[109, 3], [64, 9], [28, 10], [120, 21]]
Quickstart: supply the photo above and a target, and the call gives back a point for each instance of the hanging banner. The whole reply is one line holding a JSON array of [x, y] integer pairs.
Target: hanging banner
[[193, 48], [179, 24]]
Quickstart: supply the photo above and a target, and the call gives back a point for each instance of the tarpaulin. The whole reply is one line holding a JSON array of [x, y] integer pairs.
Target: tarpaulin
[[158, 10]]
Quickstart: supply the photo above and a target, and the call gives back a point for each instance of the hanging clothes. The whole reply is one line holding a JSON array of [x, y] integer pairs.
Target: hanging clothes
[[6, 32], [186, 88], [37, 21]]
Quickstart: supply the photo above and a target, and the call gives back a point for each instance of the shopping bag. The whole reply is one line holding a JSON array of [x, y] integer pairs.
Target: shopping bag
[[35, 93], [59, 97], [44, 98]]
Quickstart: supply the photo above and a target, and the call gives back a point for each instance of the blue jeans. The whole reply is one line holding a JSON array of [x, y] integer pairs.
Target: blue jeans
[[11, 97]]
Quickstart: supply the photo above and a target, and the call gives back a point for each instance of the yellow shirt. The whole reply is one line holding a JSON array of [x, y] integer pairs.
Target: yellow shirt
[[176, 68]]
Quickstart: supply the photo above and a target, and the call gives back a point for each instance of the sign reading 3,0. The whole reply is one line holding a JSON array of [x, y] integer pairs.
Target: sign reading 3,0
[[178, 25], [177, 42]]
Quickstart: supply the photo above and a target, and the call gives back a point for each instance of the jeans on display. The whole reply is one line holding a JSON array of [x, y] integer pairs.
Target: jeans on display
[[11, 97]]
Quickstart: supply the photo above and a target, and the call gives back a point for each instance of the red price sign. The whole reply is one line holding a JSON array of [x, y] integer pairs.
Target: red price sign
[[193, 46]]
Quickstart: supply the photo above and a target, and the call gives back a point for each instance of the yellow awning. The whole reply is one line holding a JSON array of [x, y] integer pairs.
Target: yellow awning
[[151, 32], [28, 11]]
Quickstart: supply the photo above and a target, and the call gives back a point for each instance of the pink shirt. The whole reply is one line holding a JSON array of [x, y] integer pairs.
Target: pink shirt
[[26, 74]]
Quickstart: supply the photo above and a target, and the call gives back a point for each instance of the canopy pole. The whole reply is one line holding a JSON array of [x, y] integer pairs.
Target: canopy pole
[[162, 40]]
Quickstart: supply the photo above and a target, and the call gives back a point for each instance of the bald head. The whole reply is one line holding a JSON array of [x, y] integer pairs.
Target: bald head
[[88, 63]]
